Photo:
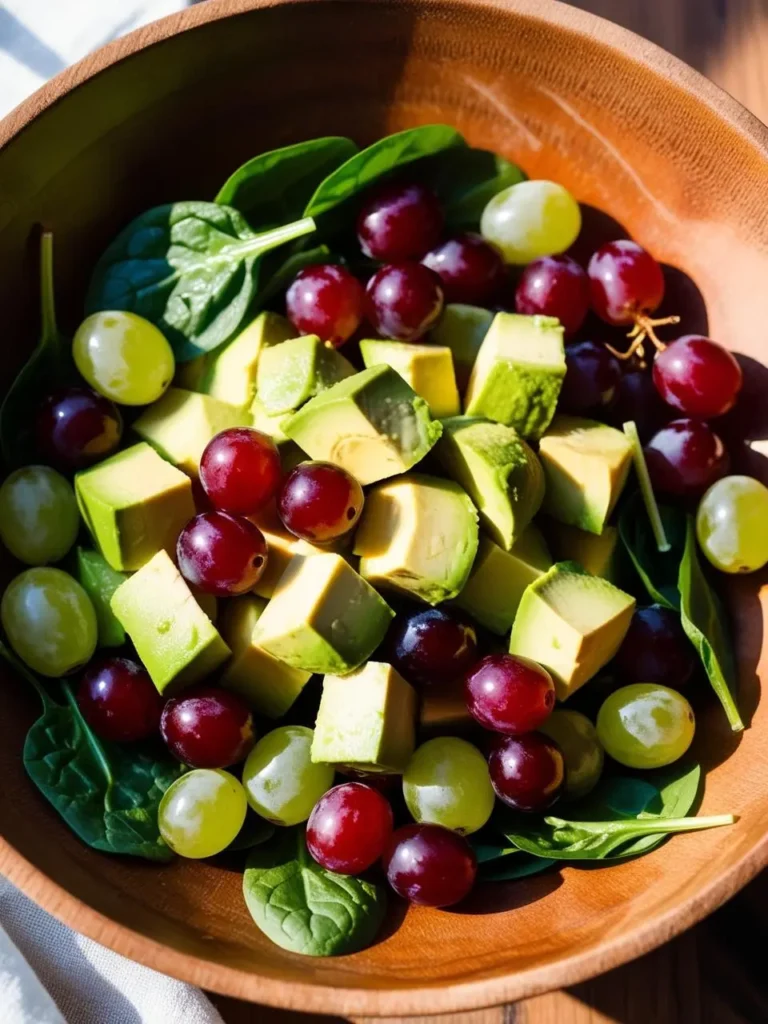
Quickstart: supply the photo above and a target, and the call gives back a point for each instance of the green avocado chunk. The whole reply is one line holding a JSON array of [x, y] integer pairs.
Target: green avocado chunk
[[462, 329], [518, 373], [291, 373], [374, 425], [99, 580], [427, 368], [497, 469], [231, 375], [572, 623], [597, 553]]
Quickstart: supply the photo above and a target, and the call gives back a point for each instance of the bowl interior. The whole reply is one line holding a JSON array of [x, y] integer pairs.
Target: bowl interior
[[670, 161]]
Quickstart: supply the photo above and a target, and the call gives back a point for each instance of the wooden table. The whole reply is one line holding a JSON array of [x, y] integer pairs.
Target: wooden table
[[716, 973]]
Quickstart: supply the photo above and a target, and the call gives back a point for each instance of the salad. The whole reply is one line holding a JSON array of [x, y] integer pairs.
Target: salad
[[367, 537]]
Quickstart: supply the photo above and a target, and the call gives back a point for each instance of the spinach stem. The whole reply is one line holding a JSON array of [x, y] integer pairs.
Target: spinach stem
[[646, 488]]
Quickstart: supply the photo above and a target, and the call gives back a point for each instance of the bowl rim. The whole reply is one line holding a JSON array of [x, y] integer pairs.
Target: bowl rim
[[435, 997]]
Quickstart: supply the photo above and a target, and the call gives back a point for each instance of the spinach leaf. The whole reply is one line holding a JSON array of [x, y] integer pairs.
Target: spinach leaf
[[48, 367], [191, 268], [658, 570], [704, 622], [489, 849], [383, 157], [521, 865], [254, 832], [304, 908], [466, 179], [108, 796], [274, 187]]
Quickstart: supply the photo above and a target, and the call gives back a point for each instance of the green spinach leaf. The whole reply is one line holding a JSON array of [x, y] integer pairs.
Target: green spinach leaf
[[109, 796], [191, 268], [466, 179], [704, 622], [304, 908], [48, 367], [274, 187], [658, 570]]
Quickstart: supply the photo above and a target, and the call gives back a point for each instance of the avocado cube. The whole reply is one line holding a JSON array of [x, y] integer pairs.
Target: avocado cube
[[418, 535], [497, 469], [231, 376], [498, 580], [586, 465], [427, 368], [518, 373], [596, 553], [462, 329], [366, 720], [572, 623], [174, 638], [181, 423], [374, 425], [270, 686], [134, 504], [291, 373], [323, 617], [99, 580]]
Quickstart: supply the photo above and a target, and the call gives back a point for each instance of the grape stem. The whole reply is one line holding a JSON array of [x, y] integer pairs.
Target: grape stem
[[644, 328]]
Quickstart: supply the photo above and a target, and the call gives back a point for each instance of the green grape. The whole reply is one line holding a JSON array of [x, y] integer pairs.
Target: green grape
[[731, 524], [281, 782], [645, 725], [49, 621], [124, 357], [447, 783], [202, 812], [581, 750], [38, 515], [530, 220]]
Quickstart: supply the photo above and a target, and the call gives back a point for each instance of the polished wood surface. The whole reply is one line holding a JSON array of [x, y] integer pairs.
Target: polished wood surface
[[632, 132]]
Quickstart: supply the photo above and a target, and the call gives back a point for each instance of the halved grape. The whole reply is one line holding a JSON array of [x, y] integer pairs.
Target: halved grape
[[530, 220], [38, 515], [577, 739], [446, 783], [281, 782], [202, 812], [731, 524], [645, 725], [124, 357]]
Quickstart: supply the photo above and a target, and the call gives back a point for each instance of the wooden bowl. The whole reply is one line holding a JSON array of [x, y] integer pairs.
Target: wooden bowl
[[166, 114]]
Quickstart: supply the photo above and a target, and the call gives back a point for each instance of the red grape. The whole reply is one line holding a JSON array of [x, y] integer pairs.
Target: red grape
[[471, 269], [119, 700], [399, 222], [430, 865], [320, 501], [555, 286], [432, 646], [326, 300], [349, 828], [221, 554], [637, 399], [697, 376], [508, 694], [685, 458], [655, 649], [208, 728], [592, 376], [240, 470], [625, 281], [527, 772], [403, 300], [76, 427]]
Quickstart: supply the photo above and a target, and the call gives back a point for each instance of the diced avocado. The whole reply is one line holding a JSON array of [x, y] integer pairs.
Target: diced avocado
[[231, 376], [586, 464], [281, 547], [291, 373], [572, 623], [462, 329], [497, 469], [134, 504], [272, 425], [99, 580], [181, 423], [495, 587], [174, 638], [374, 425], [323, 616], [518, 373], [366, 720], [270, 686], [427, 368], [190, 375], [594, 552], [418, 535], [443, 711]]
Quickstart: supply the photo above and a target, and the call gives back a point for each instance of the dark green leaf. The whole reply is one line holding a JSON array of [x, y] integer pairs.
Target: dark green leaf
[[519, 865], [304, 908], [704, 621], [466, 179], [254, 832], [657, 570], [274, 188], [489, 848], [191, 268]]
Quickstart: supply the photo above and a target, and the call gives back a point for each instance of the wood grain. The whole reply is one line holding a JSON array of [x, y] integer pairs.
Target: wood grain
[[628, 129]]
